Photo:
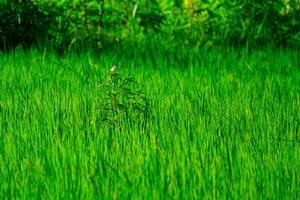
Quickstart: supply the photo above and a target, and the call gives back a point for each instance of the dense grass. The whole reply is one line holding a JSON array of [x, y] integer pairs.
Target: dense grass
[[222, 124]]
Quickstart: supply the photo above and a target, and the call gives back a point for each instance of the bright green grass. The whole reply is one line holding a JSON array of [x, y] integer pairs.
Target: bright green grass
[[223, 124]]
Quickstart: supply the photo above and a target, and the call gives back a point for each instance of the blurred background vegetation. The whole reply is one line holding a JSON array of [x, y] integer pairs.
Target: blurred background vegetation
[[101, 23]]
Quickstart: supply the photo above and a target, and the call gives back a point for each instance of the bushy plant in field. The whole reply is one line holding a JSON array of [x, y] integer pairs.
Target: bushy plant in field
[[121, 100]]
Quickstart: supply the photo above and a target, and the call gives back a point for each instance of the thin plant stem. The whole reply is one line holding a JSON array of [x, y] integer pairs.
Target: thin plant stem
[[114, 96]]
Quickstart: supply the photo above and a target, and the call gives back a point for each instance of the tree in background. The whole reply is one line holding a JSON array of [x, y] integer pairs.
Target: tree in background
[[94, 23]]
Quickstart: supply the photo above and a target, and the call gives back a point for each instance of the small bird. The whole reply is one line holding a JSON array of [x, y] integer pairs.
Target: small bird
[[114, 69]]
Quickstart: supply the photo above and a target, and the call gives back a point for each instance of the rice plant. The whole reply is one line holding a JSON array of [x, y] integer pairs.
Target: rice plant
[[218, 124]]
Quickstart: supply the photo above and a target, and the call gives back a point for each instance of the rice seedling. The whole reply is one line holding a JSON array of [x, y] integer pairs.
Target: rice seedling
[[221, 123]]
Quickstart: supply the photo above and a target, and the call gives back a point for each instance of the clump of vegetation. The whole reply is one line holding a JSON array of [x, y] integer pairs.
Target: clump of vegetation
[[122, 100], [95, 23]]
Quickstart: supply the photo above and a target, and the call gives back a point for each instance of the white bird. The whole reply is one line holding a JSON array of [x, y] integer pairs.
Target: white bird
[[114, 69]]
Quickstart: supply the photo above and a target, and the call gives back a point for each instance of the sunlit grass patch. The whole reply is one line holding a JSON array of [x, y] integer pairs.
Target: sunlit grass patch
[[220, 124]]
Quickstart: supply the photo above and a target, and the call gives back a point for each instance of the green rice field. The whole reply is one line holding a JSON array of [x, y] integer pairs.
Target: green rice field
[[218, 124]]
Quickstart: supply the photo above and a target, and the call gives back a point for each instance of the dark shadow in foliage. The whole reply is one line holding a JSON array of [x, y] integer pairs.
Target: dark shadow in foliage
[[22, 23], [152, 17]]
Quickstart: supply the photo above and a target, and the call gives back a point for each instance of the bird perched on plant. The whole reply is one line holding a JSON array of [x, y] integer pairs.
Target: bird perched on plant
[[114, 69]]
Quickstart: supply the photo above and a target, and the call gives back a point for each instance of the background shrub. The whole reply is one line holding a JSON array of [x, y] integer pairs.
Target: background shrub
[[97, 24], [23, 22]]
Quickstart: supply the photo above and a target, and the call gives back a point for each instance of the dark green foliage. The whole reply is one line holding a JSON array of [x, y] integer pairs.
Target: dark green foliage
[[22, 22], [92, 23], [267, 22]]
